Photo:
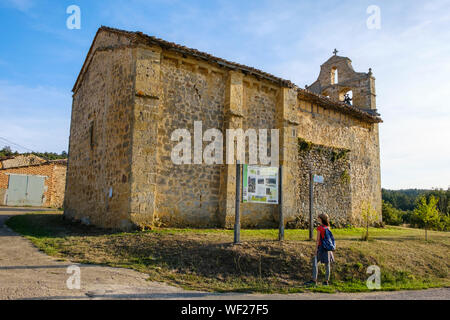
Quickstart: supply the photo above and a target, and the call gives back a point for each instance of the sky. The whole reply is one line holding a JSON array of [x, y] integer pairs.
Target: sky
[[409, 55]]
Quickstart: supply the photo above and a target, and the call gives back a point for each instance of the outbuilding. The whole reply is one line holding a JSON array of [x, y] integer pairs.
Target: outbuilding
[[32, 181]]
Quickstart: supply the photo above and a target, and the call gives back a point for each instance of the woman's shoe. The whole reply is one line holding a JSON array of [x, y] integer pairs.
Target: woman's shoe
[[311, 283]]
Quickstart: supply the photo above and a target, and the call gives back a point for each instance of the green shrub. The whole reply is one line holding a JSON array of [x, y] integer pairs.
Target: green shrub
[[391, 215], [444, 224], [428, 214], [304, 145]]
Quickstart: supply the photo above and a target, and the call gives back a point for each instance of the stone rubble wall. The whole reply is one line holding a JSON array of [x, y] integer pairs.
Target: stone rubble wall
[[333, 196], [99, 167], [187, 195], [259, 112], [182, 92]]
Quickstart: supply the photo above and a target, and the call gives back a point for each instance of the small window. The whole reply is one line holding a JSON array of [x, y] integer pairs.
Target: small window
[[334, 75], [91, 135]]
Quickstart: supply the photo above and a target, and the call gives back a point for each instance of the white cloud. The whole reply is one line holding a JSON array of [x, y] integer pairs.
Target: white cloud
[[21, 5]]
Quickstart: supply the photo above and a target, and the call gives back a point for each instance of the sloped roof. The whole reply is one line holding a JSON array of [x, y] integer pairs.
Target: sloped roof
[[62, 162], [138, 37], [21, 160]]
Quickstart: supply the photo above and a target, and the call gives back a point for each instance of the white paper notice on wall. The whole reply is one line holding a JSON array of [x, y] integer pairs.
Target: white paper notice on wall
[[318, 179]]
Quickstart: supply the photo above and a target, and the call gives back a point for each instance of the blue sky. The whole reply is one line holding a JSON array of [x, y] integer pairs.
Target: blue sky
[[410, 57]]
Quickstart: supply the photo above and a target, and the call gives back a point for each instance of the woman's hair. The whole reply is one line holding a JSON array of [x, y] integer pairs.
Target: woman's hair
[[325, 219]]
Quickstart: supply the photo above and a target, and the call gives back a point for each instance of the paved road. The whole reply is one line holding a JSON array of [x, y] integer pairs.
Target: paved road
[[27, 273]]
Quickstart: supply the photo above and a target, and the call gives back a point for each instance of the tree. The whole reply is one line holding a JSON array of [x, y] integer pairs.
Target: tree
[[427, 213], [443, 197], [369, 215], [405, 199], [6, 152], [391, 215], [445, 223]]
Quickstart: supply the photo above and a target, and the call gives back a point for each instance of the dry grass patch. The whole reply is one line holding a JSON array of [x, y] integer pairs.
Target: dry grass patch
[[205, 259]]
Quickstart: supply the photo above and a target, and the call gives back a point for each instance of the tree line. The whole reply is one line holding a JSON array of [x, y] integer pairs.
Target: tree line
[[428, 209], [7, 152]]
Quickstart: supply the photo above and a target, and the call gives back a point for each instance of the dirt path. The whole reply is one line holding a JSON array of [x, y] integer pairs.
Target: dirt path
[[27, 273]]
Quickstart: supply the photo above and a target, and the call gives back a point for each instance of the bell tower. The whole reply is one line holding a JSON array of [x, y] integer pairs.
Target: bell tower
[[339, 81]]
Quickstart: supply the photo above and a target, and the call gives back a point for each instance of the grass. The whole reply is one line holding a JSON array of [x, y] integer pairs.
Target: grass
[[205, 259]]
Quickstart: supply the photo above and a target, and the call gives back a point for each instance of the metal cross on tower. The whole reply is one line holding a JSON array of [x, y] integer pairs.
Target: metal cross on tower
[[335, 51]]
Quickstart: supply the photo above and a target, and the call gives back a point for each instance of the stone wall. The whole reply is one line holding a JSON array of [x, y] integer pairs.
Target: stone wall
[[98, 188], [58, 186], [327, 127], [333, 196], [144, 119], [180, 195], [259, 112], [185, 91]]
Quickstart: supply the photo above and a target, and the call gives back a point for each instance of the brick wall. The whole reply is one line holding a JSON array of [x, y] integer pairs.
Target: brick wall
[[54, 183]]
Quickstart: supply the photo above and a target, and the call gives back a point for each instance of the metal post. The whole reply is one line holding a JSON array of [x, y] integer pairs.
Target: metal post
[[237, 222], [280, 205], [311, 205]]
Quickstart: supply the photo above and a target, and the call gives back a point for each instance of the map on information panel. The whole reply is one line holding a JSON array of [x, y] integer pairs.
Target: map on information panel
[[260, 184]]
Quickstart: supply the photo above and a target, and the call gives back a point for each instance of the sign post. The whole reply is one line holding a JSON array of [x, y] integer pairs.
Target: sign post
[[237, 221], [280, 205], [312, 179]]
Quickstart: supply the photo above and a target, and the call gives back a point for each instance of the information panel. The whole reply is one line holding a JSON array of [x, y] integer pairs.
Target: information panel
[[260, 184]]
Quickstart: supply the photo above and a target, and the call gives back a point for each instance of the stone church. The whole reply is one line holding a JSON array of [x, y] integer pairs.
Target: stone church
[[134, 90]]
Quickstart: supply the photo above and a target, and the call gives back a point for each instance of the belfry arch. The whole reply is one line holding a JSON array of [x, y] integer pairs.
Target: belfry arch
[[338, 78]]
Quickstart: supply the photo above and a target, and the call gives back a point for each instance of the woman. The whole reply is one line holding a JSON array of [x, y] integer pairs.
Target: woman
[[322, 255]]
